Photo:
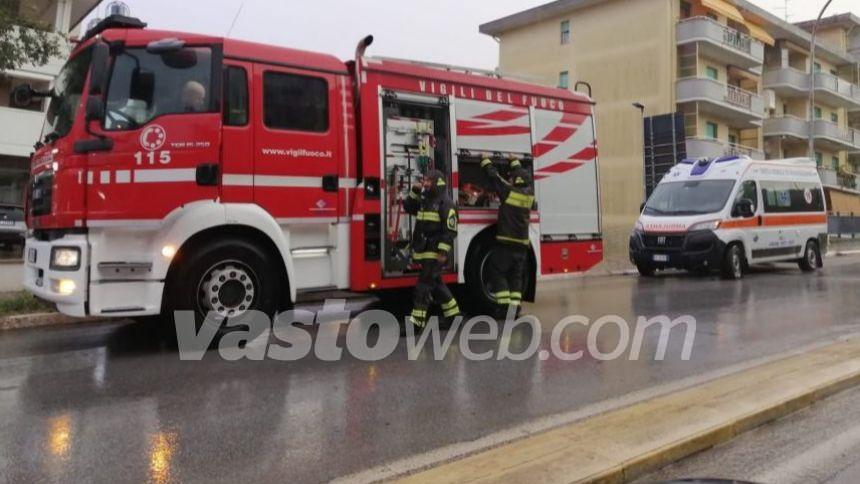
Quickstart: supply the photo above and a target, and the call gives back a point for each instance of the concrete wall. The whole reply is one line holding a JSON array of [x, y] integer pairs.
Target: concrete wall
[[627, 51]]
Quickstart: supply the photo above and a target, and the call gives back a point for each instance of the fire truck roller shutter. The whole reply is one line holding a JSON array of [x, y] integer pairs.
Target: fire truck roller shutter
[[201, 222]]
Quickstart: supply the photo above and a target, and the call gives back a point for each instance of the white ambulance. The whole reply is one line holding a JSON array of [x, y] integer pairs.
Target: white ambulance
[[727, 213]]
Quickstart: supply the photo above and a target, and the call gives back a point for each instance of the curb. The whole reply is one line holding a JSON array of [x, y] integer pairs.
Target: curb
[[39, 320], [621, 445]]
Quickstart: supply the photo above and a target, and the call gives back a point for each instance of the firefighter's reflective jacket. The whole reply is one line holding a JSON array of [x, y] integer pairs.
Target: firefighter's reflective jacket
[[517, 199], [436, 226]]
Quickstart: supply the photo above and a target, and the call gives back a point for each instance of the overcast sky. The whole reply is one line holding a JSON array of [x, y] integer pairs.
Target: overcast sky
[[444, 31]]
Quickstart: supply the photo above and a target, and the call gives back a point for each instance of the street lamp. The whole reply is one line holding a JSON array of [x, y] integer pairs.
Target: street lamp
[[812, 81]]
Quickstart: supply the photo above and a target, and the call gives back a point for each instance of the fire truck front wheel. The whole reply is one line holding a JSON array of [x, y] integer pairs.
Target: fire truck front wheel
[[227, 277]]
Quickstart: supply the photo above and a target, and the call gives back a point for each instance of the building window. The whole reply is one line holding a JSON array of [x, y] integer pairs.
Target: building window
[[565, 32], [785, 109], [817, 112], [835, 162], [712, 73], [817, 67], [819, 158], [733, 139], [294, 102], [834, 73], [564, 80], [834, 117], [712, 130], [686, 10]]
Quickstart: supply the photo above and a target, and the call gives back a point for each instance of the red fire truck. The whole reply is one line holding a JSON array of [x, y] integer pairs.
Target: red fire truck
[[179, 171]]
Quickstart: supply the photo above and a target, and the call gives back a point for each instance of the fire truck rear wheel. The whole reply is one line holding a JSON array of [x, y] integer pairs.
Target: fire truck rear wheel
[[479, 300], [228, 278]]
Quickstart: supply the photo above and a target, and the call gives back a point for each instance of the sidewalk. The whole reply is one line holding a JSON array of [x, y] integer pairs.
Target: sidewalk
[[844, 246], [623, 444]]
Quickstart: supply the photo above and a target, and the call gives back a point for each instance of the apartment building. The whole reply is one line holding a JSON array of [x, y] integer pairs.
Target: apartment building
[[22, 125], [738, 74], [842, 34]]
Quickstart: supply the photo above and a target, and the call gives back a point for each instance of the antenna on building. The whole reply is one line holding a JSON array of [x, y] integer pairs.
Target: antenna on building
[[117, 8], [786, 10]]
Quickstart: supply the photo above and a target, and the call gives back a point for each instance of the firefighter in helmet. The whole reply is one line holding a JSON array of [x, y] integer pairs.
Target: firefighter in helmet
[[432, 241], [506, 268]]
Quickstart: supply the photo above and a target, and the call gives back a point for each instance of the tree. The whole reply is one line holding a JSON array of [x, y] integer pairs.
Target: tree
[[24, 40]]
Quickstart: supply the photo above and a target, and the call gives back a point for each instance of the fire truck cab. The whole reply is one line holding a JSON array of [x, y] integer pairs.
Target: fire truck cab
[[185, 172]]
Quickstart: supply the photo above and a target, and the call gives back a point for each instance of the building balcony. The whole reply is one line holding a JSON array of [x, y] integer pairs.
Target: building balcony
[[786, 127], [835, 137], [22, 128], [712, 148], [720, 42], [739, 108], [829, 89], [833, 178], [827, 135]]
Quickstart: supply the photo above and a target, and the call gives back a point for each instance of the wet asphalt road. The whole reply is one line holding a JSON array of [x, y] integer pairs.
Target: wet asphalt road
[[112, 402], [819, 444]]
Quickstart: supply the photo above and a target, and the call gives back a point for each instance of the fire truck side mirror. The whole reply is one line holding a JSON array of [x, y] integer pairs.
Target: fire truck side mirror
[[99, 68]]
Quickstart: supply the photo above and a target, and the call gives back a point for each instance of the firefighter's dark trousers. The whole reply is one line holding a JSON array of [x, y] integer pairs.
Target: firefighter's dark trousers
[[431, 288], [506, 271]]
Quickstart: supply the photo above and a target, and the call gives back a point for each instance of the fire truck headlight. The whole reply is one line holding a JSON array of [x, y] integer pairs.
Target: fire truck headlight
[[65, 258], [65, 287], [168, 251]]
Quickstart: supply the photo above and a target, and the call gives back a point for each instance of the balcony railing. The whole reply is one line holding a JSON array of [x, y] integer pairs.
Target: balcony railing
[[738, 97], [833, 178], [733, 98], [739, 41], [846, 138], [826, 129], [705, 29], [698, 147], [792, 82]]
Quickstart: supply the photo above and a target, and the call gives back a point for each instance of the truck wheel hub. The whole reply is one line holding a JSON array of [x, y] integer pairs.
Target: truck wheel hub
[[228, 289]]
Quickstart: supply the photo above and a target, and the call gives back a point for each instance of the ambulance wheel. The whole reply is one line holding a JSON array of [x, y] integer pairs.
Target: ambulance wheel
[[733, 263], [811, 260], [227, 278], [646, 270]]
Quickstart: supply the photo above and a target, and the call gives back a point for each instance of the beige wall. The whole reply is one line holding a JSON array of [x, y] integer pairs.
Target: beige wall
[[626, 51]]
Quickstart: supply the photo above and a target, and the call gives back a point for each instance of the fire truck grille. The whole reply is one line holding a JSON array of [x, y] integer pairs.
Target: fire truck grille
[[41, 194]]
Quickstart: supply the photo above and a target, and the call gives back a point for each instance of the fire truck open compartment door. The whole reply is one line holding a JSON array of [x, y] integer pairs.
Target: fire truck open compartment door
[[566, 175], [416, 136], [485, 129]]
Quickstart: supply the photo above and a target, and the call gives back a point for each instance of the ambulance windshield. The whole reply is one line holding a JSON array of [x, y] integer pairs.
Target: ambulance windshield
[[689, 197]]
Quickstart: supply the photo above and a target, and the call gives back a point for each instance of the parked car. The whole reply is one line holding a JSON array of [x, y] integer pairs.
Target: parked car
[[12, 227]]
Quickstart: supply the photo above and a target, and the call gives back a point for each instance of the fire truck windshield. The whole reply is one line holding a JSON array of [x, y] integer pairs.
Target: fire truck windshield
[[66, 96], [145, 85]]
